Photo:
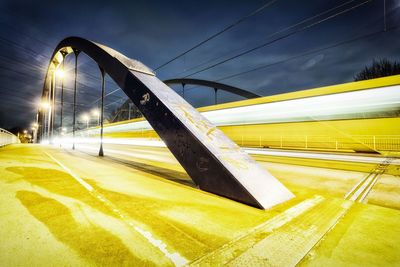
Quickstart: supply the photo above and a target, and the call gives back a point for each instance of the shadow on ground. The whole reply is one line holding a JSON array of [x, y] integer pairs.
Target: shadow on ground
[[93, 243], [60, 183]]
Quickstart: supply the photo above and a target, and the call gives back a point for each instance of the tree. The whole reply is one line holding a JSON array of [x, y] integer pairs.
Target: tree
[[378, 68]]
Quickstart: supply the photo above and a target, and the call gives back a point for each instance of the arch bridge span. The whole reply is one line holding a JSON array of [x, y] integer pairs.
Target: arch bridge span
[[211, 84], [214, 162]]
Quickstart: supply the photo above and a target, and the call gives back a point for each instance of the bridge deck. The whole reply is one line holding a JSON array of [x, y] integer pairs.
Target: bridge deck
[[138, 207]]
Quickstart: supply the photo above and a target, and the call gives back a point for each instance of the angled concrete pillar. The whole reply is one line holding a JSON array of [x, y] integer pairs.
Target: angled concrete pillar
[[214, 162]]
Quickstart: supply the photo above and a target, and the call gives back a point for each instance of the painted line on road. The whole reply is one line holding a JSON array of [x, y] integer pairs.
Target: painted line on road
[[86, 185], [175, 257], [353, 189], [360, 191]]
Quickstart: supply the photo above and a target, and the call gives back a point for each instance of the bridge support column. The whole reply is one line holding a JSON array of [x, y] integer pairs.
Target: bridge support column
[[49, 97], [215, 97], [53, 105], [103, 74], [64, 54], [76, 52]]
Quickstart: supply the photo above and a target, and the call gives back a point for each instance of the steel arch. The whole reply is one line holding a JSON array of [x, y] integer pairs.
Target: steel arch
[[215, 85], [214, 162]]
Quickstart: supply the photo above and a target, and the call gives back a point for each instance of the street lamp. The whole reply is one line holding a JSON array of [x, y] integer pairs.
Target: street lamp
[[86, 118], [96, 113], [45, 105], [60, 73]]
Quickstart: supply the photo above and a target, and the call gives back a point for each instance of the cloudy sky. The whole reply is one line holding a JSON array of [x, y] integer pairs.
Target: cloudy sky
[[307, 44]]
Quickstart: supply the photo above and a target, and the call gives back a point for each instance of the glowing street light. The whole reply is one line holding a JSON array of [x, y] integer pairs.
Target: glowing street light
[[63, 131], [96, 113], [45, 105], [86, 118], [60, 73]]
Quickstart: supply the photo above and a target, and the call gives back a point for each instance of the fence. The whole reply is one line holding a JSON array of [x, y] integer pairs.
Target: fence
[[354, 142], [366, 143], [7, 138]]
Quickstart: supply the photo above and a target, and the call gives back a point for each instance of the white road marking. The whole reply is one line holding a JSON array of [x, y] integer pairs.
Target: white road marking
[[175, 257], [352, 190], [360, 191], [86, 185], [362, 188]]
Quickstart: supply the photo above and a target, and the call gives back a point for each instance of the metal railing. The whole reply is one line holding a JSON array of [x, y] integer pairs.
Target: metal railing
[[354, 142], [7, 138], [381, 142], [318, 142]]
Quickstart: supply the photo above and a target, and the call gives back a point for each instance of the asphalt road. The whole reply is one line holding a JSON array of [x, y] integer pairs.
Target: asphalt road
[[332, 174], [137, 207]]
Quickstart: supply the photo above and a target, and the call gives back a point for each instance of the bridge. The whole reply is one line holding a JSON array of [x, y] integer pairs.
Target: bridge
[[277, 180]]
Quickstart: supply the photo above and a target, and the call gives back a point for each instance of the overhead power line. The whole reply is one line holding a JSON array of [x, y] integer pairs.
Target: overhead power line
[[315, 51], [116, 101], [218, 33], [266, 37], [365, 36], [34, 53], [280, 38]]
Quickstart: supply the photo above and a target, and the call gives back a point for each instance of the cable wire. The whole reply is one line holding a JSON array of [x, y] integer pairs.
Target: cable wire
[[218, 33], [280, 38], [315, 51], [365, 36], [266, 37]]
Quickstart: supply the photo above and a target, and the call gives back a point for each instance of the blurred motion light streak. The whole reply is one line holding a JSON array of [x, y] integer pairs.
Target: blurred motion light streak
[[370, 103]]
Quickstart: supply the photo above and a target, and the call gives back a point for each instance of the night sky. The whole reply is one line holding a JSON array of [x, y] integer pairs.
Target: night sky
[[153, 32]]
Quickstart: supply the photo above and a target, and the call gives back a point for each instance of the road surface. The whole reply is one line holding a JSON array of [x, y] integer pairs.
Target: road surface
[[137, 207]]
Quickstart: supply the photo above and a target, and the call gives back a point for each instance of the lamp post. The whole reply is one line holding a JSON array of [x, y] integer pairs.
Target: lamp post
[[76, 52], [33, 133], [53, 102], [62, 74], [103, 75], [45, 106], [49, 100]]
